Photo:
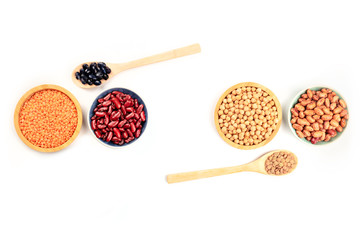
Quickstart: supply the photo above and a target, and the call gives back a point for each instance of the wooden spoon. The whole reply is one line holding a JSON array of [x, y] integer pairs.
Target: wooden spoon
[[257, 165], [119, 67]]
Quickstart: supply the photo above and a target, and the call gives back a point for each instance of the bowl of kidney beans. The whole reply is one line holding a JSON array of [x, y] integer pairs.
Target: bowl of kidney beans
[[118, 117]]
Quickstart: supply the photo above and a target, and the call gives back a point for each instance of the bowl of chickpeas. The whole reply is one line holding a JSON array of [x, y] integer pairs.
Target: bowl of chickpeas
[[248, 115]]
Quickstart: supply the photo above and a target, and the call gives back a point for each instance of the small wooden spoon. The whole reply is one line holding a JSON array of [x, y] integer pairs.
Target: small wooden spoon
[[120, 67], [257, 165]]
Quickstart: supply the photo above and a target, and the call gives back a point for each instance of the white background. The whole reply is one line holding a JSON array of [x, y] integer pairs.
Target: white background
[[88, 191]]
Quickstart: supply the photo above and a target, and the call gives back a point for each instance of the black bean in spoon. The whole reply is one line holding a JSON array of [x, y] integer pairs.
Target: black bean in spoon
[[93, 73]]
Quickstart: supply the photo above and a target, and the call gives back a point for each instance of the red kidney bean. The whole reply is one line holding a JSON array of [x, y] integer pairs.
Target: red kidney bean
[[129, 133], [127, 125], [132, 127], [138, 123], [142, 116], [100, 100], [121, 142], [115, 116], [106, 119], [113, 124], [118, 96], [129, 139], [127, 97], [101, 126], [102, 109], [122, 123], [117, 92], [107, 97], [116, 102], [128, 103], [129, 109], [139, 109], [125, 135], [110, 110], [109, 136], [93, 124], [100, 114], [106, 103], [137, 133], [103, 130], [136, 103], [130, 120], [130, 115], [122, 129], [123, 109], [115, 138], [93, 117], [98, 133], [137, 116], [117, 133]]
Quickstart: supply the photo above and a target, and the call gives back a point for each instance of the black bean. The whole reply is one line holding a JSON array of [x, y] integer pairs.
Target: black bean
[[85, 77], [101, 64], [105, 76], [103, 70], [89, 81], [108, 70], [97, 69], [87, 71], [85, 66], [92, 65], [97, 82], [92, 76], [99, 74], [81, 71], [83, 81], [77, 75]]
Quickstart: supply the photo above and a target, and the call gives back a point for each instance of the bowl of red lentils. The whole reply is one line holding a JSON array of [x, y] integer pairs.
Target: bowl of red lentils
[[248, 115], [48, 118]]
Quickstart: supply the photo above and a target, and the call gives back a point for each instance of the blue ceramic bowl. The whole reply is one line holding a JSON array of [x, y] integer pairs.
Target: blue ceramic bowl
[[295, 101], [95, 103]]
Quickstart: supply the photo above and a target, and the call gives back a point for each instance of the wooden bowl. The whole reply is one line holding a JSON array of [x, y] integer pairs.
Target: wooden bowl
[[248, 84], [26, 96]]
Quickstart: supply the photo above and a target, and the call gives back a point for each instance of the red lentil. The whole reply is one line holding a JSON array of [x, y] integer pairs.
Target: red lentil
[[48, 118]]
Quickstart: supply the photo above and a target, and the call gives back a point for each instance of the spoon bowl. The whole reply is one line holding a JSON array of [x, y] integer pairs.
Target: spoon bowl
[[120, 67], [258, 165]]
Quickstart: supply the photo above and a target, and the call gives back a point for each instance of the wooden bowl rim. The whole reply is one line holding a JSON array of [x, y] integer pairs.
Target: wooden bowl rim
[[26, 96], [248, 84]]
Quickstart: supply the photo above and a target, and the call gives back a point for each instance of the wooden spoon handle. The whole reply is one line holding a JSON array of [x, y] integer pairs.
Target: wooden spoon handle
[[187, 176], [179, 52]]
